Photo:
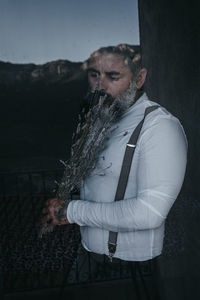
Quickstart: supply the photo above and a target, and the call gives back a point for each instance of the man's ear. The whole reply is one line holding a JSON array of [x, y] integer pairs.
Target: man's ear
[[141, 76]]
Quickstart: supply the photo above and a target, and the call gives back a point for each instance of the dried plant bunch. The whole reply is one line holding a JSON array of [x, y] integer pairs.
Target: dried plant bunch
[[88, 141]]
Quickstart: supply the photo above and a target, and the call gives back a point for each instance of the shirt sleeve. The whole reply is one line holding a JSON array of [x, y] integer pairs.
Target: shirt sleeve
[[161, 169]]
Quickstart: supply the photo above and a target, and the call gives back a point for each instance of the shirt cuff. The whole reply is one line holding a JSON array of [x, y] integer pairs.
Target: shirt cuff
[[70, 212], [76, 212]]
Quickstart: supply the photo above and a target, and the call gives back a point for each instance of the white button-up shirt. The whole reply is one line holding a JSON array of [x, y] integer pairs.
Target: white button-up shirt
[[155, 179]]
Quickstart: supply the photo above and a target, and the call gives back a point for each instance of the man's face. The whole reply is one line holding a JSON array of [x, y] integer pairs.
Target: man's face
[[114, 77]]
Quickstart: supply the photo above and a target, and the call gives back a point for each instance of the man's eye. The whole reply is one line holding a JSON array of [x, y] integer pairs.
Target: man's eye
[[114, 78], [95, 75]]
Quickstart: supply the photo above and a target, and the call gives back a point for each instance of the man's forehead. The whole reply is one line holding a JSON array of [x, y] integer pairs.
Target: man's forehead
[[107, 62]]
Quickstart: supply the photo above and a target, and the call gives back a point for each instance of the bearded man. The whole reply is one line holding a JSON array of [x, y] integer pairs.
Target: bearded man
[[156, 174]]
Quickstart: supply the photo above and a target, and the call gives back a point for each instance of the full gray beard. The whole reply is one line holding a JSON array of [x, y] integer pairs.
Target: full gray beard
[[119, 105], [110, 111]]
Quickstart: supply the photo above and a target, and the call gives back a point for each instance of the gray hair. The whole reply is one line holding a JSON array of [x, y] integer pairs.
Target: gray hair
[[129, 53]]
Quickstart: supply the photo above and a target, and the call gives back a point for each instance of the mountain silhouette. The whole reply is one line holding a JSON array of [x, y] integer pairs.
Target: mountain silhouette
[[39, 108]]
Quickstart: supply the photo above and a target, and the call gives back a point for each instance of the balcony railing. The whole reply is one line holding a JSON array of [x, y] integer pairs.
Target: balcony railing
[[30, 263]]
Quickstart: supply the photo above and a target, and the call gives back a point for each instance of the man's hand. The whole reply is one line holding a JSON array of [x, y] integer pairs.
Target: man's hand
[[55, 212]]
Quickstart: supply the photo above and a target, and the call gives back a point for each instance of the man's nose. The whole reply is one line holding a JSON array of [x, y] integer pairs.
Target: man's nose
[[103, 84]]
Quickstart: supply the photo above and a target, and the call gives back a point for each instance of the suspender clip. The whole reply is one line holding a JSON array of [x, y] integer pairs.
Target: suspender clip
[[131, 145], [112, 249]]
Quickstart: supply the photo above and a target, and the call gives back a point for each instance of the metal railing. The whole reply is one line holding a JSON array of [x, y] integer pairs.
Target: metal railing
[[29, 263]]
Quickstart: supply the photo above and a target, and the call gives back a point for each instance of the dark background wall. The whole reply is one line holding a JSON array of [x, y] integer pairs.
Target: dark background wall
[[170, 34], [170, 41]]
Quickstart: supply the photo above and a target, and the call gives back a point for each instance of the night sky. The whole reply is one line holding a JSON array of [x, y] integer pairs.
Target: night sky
[[44, 30]]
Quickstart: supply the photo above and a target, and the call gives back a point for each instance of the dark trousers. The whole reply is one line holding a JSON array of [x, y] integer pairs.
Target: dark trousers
[[145, 276]]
